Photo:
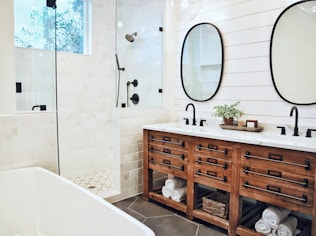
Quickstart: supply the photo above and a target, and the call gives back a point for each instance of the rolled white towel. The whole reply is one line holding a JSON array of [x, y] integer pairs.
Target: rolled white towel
[[179, 194], [175, 183], [263, 227], [166, 192], [273, 233], [275, 215], [288, 227]]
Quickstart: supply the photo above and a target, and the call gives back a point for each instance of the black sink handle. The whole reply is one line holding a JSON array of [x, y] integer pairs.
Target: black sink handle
[[283, 132], [309, 132]]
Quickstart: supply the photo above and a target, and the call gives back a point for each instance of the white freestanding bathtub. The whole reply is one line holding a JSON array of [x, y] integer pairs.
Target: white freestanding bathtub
[[34, 201]]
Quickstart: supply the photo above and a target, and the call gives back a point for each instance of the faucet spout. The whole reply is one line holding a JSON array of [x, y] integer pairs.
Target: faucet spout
[[294, 108], [191, 104]]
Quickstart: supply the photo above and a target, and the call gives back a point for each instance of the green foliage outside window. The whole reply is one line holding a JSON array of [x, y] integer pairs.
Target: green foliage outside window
[[35, 25]]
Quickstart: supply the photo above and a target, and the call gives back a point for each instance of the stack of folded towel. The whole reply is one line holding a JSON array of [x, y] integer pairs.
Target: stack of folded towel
[[175, 188], [275, 221]]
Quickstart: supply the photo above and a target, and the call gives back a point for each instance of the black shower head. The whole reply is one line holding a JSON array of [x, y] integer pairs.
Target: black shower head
[[130, 37]]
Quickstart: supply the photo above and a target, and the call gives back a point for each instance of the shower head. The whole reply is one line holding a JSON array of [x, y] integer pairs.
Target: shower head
[[130, 37]]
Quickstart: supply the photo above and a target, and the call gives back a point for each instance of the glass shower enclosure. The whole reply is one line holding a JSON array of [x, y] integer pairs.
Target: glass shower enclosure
[[35, 56], [139, 34], [84, 146]]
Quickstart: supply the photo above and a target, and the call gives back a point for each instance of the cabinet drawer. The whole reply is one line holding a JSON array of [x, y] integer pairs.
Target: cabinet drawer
[[211, 174], [301, 163], [213, 149], [273, 190], [156, 138], [273, 175], [211, 163], [167, 153], [168, 166]]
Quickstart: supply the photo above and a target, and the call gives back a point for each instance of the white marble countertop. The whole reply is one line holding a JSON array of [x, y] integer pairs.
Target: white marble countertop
[[270, 136]]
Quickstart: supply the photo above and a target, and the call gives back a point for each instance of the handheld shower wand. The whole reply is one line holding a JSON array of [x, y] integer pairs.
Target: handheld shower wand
[[118, 64], [119, 79]]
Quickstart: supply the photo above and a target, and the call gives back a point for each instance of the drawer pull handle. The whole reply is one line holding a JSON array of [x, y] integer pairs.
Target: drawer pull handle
[[213, 148], [167, 152], [167, 140], [274, 189], [277, 157], [276, 175], [211, 162], [306, 166], [167, 163], [303, 198], [212, 175]]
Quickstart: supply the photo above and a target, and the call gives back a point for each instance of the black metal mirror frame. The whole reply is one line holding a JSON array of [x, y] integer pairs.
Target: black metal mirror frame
[[222, 62], [271, 45]]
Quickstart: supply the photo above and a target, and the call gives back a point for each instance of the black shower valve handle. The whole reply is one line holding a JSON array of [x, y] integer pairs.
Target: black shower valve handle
[[134, 82]]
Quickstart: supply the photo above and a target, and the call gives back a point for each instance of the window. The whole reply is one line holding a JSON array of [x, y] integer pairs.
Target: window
[[35, 25]]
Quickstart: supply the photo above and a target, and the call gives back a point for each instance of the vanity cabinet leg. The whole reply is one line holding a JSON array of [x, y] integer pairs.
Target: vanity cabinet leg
[[148, 183], [192, 191], [147, 173], [235, 203], [313, 230]]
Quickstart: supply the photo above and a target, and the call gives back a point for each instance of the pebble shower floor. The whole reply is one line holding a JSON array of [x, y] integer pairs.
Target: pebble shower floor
[[100, 183]]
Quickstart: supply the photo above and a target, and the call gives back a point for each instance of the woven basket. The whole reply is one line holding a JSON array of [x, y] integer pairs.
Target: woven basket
[[216, 204]]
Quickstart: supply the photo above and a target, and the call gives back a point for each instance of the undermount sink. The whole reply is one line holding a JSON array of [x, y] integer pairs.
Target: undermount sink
[[189, 129], [286, 139]]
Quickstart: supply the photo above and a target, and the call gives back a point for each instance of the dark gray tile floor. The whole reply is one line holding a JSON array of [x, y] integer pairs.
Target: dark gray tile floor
[[164, 221]]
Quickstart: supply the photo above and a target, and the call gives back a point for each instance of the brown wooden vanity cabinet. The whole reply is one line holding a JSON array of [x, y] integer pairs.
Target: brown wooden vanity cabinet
[[266, 175]]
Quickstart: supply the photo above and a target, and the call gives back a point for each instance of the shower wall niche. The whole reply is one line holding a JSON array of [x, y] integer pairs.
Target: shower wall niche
[[139, 55]]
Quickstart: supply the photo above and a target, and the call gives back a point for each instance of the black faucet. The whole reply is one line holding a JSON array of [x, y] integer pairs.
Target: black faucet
[[191, 104], [294, 108]]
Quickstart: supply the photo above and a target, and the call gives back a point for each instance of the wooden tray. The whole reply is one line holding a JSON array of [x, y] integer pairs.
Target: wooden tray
[[241, 128]]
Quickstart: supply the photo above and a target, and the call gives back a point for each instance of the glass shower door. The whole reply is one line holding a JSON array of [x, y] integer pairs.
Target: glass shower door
[[35, 61]]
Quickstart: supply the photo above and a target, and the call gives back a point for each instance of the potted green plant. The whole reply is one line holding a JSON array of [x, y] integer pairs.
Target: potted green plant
[[228, 112]]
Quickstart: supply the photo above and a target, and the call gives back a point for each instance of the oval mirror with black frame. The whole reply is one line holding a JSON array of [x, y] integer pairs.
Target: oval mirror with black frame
[[293, 53], [202, 62]]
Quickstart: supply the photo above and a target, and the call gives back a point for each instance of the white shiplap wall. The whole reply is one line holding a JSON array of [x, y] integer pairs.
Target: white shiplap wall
[[246, 27]]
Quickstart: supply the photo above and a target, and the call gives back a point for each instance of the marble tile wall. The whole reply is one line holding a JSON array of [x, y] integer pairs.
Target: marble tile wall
[[28, 140]]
